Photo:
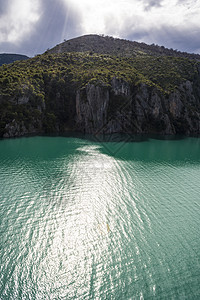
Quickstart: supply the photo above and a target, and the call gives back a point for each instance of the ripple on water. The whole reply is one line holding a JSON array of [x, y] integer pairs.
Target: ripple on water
[[79, 223]]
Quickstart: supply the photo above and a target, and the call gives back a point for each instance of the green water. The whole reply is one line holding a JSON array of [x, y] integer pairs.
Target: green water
[[85, 219]]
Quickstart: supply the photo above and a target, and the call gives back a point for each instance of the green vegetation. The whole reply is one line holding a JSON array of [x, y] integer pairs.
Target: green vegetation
[[57, 70], [50, 81], [101, 44]]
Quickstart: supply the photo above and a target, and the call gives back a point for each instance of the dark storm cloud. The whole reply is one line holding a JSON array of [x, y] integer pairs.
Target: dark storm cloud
[[183, 39], [57, 22]]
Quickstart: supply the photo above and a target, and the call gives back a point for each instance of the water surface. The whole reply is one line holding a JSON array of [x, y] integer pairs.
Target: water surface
[[90, 219]]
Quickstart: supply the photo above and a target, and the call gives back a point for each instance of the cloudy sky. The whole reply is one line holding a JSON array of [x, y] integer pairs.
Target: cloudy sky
[[32, 26]]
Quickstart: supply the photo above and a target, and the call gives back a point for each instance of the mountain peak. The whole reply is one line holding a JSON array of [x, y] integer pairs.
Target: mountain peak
[[101, 44]]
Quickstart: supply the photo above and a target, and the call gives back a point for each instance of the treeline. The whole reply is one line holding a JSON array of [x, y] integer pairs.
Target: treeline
[[41, 91]]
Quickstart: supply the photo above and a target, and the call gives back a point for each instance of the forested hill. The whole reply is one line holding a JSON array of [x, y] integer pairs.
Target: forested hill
[[98, 85], [114, 46], [6, 58]]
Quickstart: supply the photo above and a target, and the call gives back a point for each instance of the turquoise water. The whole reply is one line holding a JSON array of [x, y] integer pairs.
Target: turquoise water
[[84, 219]]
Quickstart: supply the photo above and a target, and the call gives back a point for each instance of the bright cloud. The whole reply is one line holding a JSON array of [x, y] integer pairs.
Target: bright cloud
[[151, 21], [97, 14], [41, 24], [19, 19]]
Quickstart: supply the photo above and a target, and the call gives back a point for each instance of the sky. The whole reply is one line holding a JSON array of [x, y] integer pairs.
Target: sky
[[32, 26]]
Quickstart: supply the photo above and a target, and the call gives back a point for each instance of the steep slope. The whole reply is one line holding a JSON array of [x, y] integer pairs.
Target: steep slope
[[100, 93], [6, 58]]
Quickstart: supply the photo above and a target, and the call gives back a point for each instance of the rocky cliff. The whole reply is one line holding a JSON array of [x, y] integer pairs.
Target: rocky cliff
[[100, 94], [137, 109], [118, 108]]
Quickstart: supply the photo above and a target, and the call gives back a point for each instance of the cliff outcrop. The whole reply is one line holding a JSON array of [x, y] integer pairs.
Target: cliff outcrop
[[95, 93], [142, 109], [118, 108]]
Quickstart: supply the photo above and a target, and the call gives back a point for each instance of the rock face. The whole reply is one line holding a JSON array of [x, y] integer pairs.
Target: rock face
[[91, 108], [16, 129], [137, 109], [97, 84], [26, 118], [119, 107]]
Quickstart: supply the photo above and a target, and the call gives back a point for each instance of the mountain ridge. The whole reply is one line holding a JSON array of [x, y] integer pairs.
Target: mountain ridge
[[128, 90], [115, 46], [8, 58]]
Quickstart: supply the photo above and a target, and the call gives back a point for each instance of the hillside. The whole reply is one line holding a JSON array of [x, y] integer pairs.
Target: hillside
[[6, 58], [114, 46], [127, 90]]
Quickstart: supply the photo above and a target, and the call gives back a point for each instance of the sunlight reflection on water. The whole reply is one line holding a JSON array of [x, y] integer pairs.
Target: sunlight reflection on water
[[77, 222]]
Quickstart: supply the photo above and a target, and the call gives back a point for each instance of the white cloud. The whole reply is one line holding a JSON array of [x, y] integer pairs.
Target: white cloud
[[19, 19], [97, 12], [32, 26], [143, 18], [39, 24]]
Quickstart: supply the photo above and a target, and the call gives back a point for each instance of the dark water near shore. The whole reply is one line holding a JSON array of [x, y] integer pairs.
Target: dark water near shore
[[83, 219]]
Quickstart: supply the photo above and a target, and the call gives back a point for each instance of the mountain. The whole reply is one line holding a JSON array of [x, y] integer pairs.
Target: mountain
[[6, 58], [114, 46], [101, 85]]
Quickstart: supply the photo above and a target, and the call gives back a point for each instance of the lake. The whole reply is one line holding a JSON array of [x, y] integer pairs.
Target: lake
[[91, 218]]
